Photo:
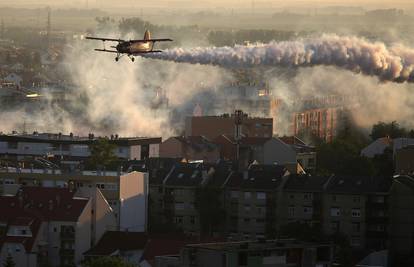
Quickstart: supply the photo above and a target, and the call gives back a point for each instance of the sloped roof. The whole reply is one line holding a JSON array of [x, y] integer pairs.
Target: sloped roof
[[112, 241], [305, 183], [258, 177], [358, 184], [198, 143]]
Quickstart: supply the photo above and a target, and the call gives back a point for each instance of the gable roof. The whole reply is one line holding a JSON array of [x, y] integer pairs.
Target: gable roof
[[197, 143]]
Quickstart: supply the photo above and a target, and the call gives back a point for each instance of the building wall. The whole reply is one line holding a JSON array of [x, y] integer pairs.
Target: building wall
[[133, 195], [83, 232], [171, 148], [19, 255], [213, 126], [154, 150], [401, 220], [404, 160], [352, 212], [185, 214]]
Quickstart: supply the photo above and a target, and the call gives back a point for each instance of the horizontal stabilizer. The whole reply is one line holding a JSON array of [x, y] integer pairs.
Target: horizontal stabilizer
[[151, 40], [104, 50]]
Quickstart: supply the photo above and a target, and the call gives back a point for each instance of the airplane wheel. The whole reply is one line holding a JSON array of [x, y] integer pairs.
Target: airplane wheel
[[117, 58], [133, 59]]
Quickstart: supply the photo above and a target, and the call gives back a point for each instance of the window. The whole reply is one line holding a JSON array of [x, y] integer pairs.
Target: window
[[246, 220], [261, 195], [308, 210], [179, 205], [12, 145], [234, 194], [247, 195], [356, 227], [65, 147], [179, 219], [291, 211], [260, 221], [356, 199], [292, 196], [334, 199], [246, 208], [192, 219], [356, 213], [335, 212]]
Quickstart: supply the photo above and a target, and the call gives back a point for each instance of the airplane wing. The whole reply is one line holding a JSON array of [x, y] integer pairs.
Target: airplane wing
[[104, 39], [151, 40], [104, 50]]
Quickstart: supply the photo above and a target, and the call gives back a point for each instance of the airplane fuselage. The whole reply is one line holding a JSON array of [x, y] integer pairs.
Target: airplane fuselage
[[132, 48]]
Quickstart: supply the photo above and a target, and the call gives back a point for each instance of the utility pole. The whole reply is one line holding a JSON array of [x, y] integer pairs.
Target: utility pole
[[238, 121]]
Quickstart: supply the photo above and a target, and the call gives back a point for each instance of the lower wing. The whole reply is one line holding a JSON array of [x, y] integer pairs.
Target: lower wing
[[104, 50]]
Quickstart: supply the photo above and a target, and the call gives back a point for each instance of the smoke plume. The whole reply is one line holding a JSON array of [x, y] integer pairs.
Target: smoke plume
[[395, 63]]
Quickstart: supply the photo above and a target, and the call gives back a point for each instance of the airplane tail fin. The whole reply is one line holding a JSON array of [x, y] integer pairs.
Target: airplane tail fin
[[147, 35]]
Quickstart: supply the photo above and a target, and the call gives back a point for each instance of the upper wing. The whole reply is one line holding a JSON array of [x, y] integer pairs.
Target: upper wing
[[104, 39], [151, 40], [104, 50]]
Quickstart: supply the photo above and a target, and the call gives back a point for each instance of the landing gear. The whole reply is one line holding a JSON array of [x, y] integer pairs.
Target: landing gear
[[132, 59], [116, 59]]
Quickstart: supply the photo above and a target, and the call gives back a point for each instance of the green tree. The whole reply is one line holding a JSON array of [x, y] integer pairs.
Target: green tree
[[210, 208], [9, 261], [102, 153], [107, 262], [392, 129]]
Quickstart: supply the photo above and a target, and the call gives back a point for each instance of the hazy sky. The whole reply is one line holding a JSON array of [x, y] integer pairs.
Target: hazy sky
[[213, 3]]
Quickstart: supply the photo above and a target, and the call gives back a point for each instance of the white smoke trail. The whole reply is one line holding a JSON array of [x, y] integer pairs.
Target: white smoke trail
[[394, 63]]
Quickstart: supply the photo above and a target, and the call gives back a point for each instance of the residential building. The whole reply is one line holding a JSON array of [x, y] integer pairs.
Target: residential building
[[377, 147], [358, 207], [73, 148], [213, 126], [267, 150], [281, 253], [45, 226], [401, 216], [251, 201], [126, 193], [301, 200], [191, 148]]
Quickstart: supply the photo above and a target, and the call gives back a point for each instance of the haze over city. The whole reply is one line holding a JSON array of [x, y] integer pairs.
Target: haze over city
[[206, 133]]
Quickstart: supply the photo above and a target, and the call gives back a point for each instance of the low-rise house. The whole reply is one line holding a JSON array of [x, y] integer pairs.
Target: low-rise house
[[126, 193], [45, 226], [191, 148]]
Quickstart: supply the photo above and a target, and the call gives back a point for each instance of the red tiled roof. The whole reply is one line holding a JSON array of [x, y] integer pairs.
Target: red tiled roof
[[32, 205]]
